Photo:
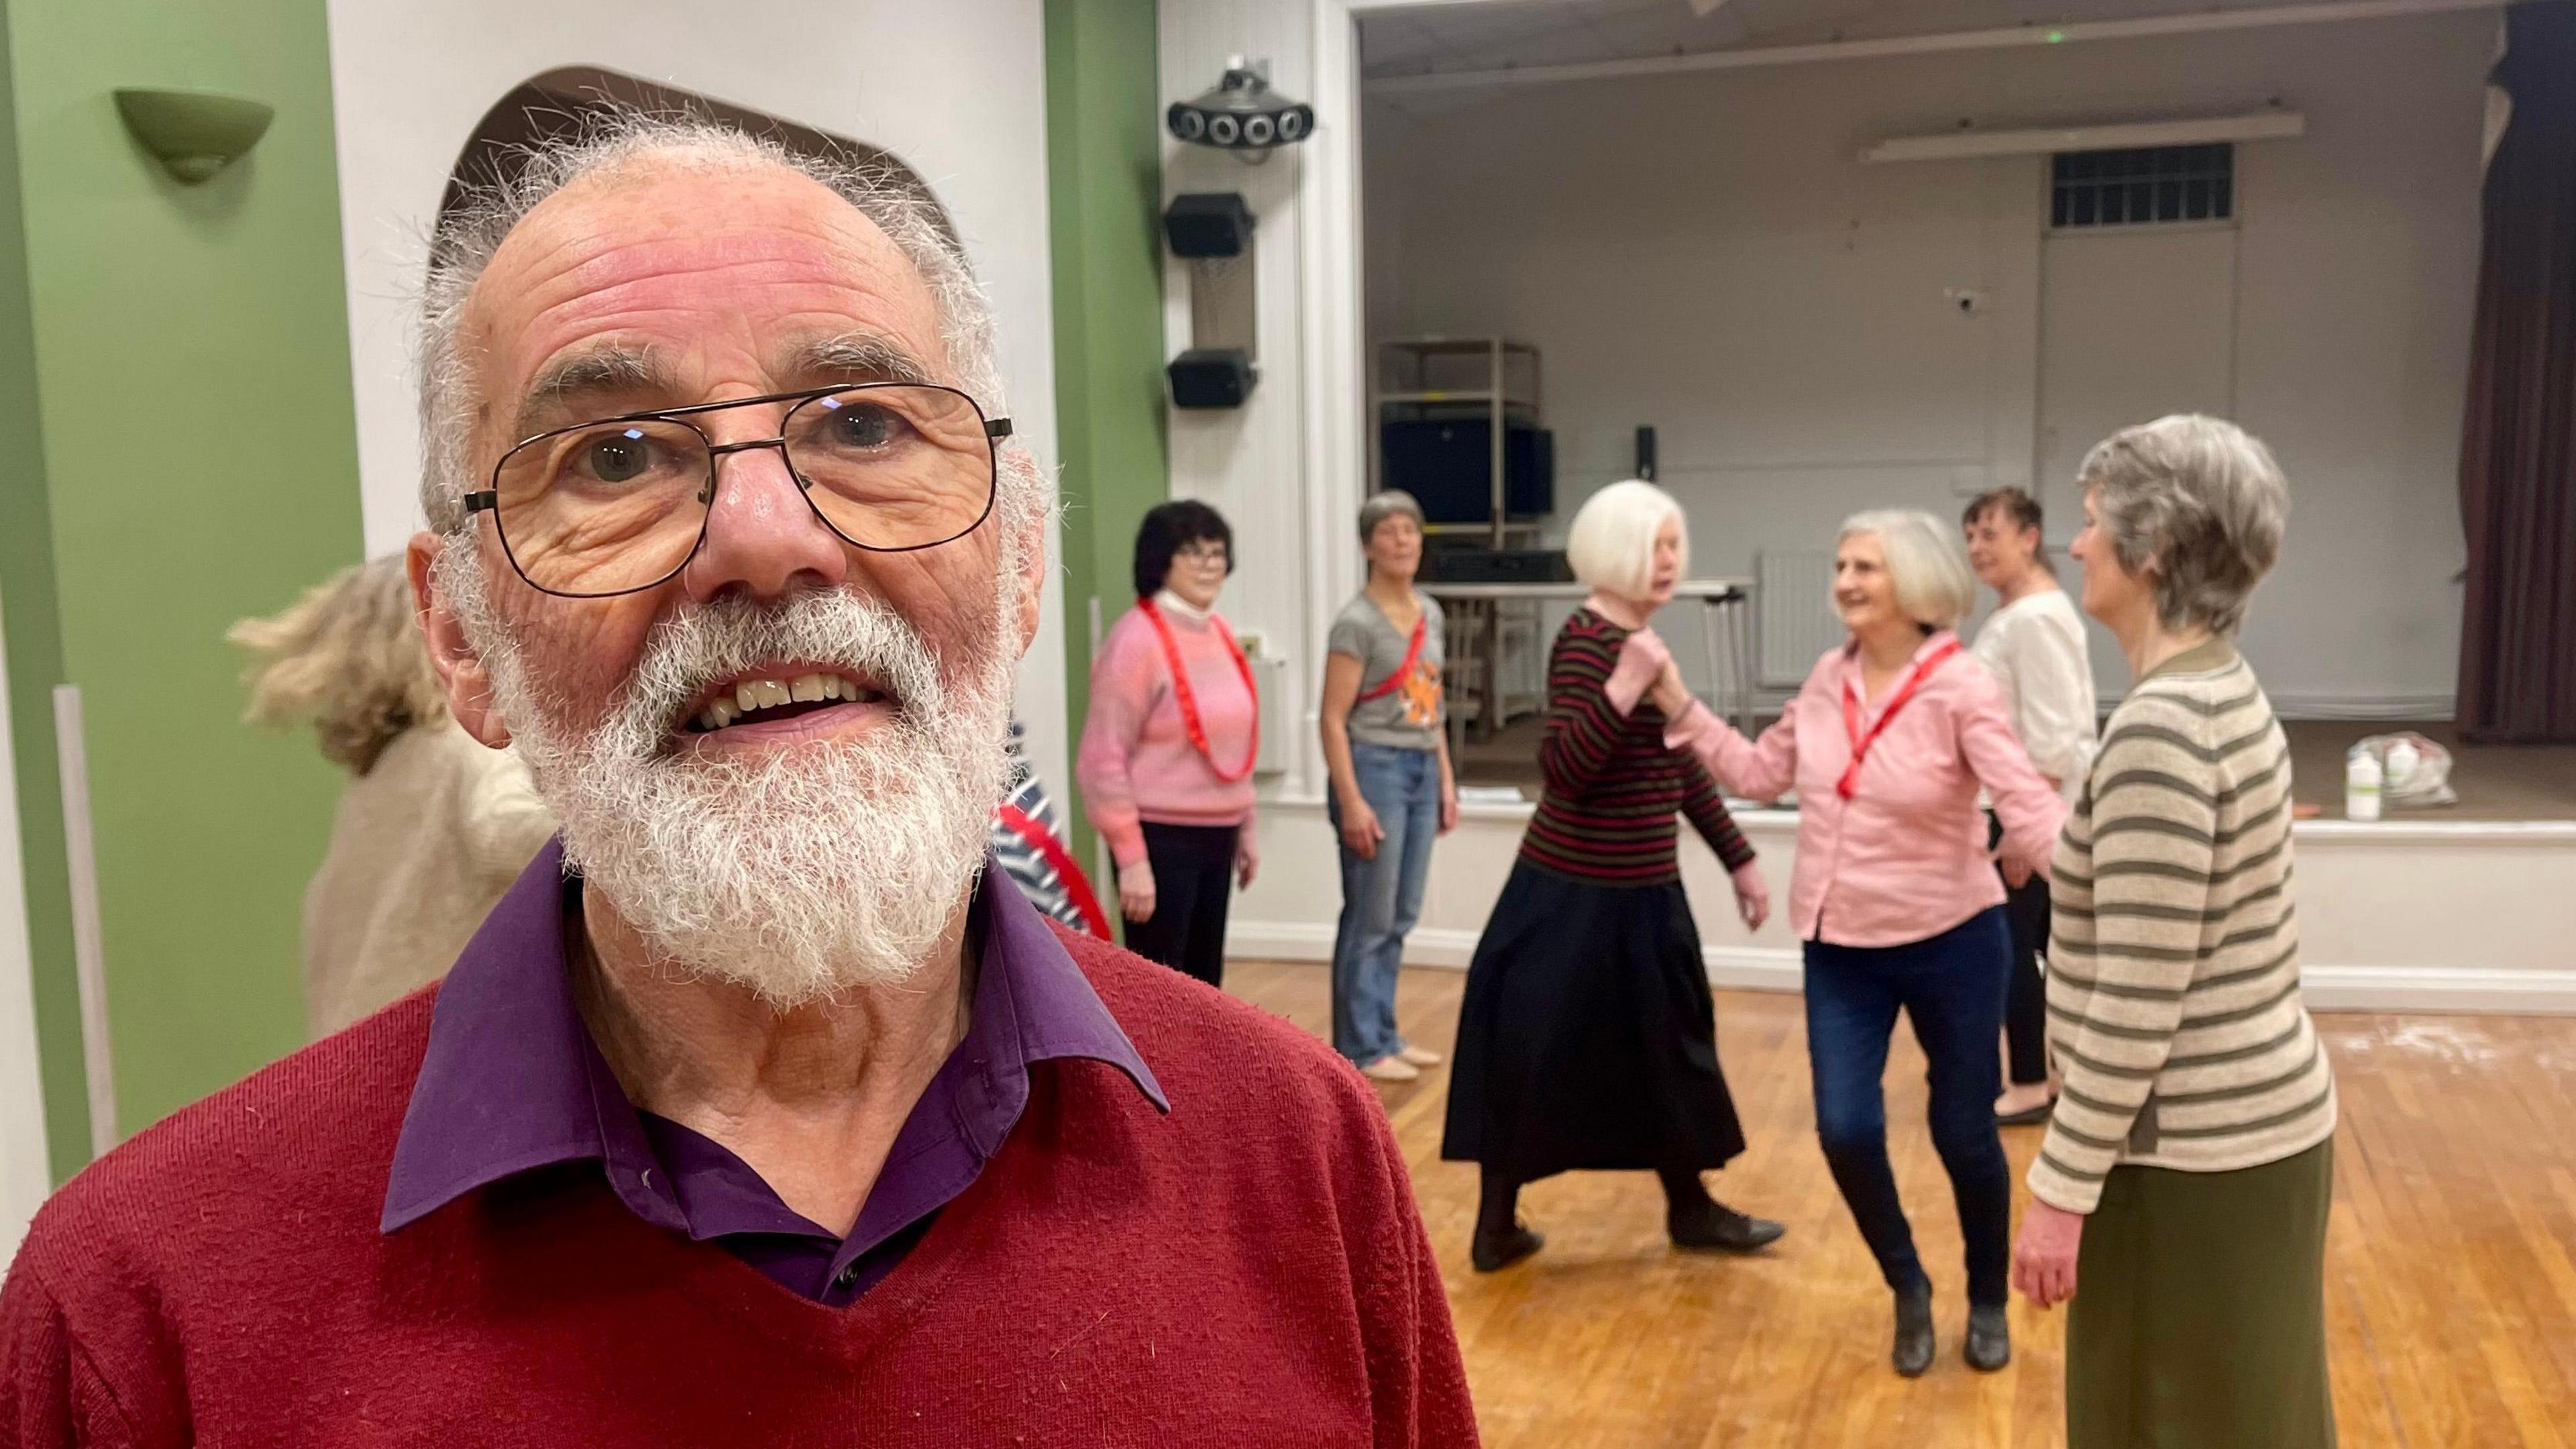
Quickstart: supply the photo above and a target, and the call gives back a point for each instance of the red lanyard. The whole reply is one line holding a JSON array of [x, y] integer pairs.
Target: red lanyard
[[1077, 886], [1404, 671], [1860, 742], [1189, 703]]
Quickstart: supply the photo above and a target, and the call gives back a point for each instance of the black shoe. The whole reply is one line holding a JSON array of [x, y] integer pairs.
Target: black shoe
[[1493, 1252], [1989, 1338], [1914, 1342], [1713, 1227], [2029, 1116]]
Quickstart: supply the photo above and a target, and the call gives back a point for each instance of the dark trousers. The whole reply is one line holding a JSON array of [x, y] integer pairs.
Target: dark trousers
[[2026, 998], [1951, 988], [1193, 884]]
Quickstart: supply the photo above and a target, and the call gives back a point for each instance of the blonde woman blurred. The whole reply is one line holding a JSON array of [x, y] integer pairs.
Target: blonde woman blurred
[[433, 827]]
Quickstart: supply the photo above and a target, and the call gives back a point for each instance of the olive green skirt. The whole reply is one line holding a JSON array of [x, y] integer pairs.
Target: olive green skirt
[[2199, 1312]]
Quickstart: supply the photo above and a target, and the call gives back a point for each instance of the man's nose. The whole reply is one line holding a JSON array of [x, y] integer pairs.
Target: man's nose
[[762, 537]]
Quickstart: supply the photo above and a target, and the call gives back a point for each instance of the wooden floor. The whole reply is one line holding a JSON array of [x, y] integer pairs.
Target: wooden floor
[[2451, 1280]]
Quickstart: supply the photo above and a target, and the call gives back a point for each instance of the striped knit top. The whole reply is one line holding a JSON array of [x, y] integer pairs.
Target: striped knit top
[[1612, 784], [2173, 966]]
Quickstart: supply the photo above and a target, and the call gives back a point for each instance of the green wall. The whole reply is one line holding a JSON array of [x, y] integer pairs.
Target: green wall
[[191, 360], [35, 659], [1105, 198]]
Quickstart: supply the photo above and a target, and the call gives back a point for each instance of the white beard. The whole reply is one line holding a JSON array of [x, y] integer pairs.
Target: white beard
[[798, 872]]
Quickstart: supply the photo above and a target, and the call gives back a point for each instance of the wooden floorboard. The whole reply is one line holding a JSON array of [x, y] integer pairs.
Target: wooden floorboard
[[2451, 1274]]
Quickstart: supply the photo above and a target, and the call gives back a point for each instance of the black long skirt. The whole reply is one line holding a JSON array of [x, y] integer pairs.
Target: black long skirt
[[1588, 1039]]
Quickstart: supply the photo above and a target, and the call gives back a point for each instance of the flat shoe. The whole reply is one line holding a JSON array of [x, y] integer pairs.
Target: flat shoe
[[2029, 1116], [1493, 1252], [1390, 1069], [1721, 1229], [1914, 1340], [1989, 1344], [1421, 1056]]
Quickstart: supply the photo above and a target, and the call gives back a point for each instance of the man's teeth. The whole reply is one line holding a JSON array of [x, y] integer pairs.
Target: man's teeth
[[754, 695]]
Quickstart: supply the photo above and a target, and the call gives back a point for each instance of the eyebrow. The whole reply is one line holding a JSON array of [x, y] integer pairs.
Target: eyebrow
[[859, 356], [611, 370]]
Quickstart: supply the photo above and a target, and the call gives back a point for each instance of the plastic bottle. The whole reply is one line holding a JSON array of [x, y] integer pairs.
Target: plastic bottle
[[2361, 781], [2403, 761]]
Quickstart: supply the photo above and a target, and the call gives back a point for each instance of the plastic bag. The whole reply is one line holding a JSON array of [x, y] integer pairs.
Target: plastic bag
[[2429, 783]]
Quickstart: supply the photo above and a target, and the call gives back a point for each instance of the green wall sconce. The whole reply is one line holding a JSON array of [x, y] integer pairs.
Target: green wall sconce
[[193, 134]]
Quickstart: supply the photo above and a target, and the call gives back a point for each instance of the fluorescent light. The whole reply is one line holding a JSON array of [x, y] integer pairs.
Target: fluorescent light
[[2090, 136]]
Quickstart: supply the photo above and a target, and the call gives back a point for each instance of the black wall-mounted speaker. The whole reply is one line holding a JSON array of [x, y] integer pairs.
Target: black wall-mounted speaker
[[1208, 224], [1211, 377]]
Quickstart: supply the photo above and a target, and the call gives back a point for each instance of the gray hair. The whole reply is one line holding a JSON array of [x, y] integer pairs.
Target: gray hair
[[469, 234], [1611, 543], [2195, 504], [1925, 561], [1384, 504]]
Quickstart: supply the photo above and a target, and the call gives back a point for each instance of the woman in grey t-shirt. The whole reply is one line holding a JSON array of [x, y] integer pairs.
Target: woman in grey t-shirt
[[1392, 791]]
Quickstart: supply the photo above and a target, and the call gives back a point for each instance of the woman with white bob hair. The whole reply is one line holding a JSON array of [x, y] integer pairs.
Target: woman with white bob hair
[[1588, 1038], [2189, 1165], [1894, 893]]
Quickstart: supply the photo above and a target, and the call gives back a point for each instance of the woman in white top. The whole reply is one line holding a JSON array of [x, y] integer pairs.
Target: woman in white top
[[2034, 643]]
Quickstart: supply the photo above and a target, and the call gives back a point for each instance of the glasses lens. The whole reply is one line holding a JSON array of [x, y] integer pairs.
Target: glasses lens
[[895, 465], [602, 508]]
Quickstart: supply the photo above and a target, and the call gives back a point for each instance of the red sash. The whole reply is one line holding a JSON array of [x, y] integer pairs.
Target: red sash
[[1860, 742], [1188, 701], [1404, 671], [1077, 886]]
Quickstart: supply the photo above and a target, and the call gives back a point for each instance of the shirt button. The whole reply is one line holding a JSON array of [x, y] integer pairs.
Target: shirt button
[[847, 1278]]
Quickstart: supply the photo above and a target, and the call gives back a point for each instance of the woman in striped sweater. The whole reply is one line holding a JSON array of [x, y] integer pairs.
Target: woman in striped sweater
[[2189, 1164], [1587, 1040]]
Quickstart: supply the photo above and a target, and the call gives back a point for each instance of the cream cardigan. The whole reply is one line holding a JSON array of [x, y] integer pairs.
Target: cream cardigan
[[424, 844]]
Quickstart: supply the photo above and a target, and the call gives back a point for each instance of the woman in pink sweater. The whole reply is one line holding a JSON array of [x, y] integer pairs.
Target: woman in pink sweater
[[1894, 894], [1167, 751]]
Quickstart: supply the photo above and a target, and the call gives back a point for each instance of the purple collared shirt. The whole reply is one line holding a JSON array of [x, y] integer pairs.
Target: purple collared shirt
[[512, 1082]]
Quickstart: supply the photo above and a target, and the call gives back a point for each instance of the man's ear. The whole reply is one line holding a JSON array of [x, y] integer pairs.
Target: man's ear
[[1031, 579], [460, 668]]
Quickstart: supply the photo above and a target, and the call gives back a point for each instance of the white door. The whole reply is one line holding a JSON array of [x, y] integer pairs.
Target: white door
[[2135, 322], [25, 1174]]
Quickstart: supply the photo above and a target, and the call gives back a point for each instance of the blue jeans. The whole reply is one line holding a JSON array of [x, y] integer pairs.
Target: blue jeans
[[1952, 988], [1381, 896]]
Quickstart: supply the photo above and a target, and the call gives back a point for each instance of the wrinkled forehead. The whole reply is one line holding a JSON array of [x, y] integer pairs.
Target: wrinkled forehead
[[698, 280]]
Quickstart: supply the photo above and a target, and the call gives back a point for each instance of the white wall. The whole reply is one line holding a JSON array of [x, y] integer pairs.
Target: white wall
[[1706, 253], [1286, 469], [957, 90]]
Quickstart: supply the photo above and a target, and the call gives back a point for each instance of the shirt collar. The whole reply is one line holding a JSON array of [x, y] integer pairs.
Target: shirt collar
[[512, 1082], [1931, 642]]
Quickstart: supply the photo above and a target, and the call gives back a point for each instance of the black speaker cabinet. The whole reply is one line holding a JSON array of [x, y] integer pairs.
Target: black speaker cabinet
[[1212, 377], [1208, 224]]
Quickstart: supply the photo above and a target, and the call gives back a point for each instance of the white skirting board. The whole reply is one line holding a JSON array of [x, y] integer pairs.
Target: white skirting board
[[2409, 915]]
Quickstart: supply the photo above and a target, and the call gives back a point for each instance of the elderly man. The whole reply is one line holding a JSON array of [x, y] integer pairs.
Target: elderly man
[[759, 1111]]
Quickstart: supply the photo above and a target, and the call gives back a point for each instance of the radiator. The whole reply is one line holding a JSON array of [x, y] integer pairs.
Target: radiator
[[1793, 602]]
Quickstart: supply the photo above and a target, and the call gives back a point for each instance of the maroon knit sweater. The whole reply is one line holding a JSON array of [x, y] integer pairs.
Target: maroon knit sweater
[[1247, 1271]]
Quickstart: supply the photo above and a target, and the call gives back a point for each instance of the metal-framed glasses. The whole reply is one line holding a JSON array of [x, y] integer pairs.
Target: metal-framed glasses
[[620, 504]]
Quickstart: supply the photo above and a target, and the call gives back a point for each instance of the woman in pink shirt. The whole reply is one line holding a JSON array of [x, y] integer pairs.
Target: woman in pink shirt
[[1895, 894], [1167, 751]]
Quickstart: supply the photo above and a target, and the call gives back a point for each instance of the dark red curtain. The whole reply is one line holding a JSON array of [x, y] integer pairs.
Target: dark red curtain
[[2518, 441]]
